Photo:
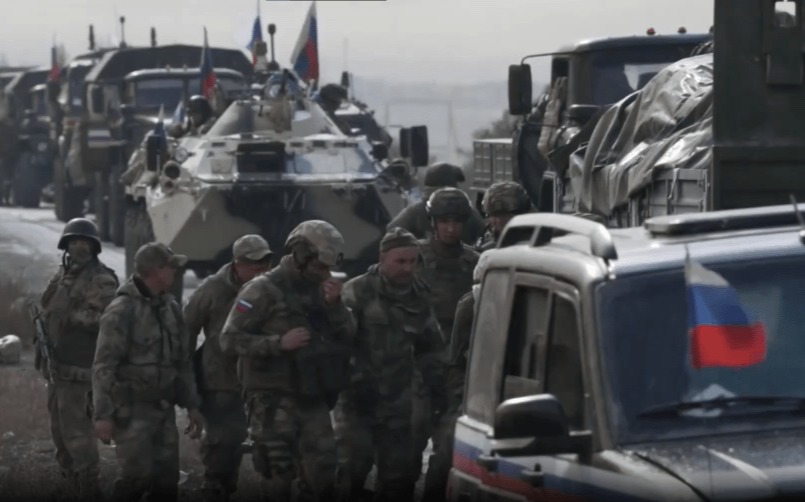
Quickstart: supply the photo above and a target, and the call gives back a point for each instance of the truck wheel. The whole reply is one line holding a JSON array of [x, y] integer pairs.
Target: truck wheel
[[27, 185], [117, 206], [68, 202], [100, 204]]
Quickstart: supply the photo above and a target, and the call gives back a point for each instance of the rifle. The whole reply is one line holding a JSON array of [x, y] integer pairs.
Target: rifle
[[44, 350]]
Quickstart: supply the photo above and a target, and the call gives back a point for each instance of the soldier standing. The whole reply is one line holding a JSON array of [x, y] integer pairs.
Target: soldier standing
[[142, 369], [396, 331], [447, 267], [289, 328], [415, 219], [73, 303], [502, 202], [216, 376]]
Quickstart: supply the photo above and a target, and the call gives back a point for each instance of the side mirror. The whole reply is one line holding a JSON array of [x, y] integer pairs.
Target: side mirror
[[53, 91], [542, 419], [581, 114], [379, 151], [405, 142], [419, 151], [520, 88], [97, 99], [153, 151]]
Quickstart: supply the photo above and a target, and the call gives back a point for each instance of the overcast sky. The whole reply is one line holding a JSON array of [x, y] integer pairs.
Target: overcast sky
[[447, 41]]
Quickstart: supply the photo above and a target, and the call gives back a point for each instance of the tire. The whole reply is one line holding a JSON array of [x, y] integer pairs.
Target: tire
[[139, 231], [117, 206], [100, 195], [27, 184]]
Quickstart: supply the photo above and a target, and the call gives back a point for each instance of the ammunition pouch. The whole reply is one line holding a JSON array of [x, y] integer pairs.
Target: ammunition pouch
[[322, 370]]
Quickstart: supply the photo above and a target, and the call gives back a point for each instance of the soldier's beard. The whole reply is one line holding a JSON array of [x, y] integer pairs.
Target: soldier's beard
[[80, 256]]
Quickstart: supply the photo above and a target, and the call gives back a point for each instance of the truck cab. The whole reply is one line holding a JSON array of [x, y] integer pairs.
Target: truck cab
[[582, 380]]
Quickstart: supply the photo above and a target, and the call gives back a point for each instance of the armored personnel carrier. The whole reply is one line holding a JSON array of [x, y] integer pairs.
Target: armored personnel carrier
[[266, 165]]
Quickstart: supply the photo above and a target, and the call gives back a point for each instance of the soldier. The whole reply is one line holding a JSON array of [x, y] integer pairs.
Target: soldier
[[289, 327], [73, 303], [396, 330], [200, 118], [414, 218], [142, 369], [502, 202], [447, 267], [216, 378]]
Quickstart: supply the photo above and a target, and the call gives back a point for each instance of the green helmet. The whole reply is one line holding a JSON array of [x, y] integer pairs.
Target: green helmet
[[317, 239], [506, 197], [80, 228], [450, 202]]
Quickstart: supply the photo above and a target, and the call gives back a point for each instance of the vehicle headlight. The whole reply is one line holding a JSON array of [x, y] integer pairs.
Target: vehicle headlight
[[42, 146], [181, 154]]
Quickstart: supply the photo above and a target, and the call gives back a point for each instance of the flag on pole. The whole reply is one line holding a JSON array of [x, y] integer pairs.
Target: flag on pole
[[257, 36], [208, 78], [722, 332], [305, 56], [55, 69]]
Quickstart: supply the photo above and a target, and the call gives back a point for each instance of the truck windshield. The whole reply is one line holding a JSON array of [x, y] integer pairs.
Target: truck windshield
[[74, 88], [228, 83], [153, 93], [646, 345], [614, 74]]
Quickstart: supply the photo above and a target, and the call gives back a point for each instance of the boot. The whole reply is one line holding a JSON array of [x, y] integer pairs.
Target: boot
[[87, 487]]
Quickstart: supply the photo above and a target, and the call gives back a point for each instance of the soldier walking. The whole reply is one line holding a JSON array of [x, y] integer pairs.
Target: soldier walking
[[396, 331], [502, 202], [72, 304], [289, 328], [142, 369], [447, 267], [216, 377]]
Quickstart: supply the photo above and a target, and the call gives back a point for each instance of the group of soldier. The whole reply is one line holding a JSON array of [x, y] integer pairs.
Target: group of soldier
[[326, 379]]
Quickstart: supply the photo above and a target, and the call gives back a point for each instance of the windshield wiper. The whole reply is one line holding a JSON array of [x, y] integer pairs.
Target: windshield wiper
[[786, 403]]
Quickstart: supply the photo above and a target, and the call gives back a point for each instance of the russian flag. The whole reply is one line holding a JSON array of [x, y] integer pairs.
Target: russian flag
[[722, 332], [257, 36], [208, 78], [305, 56], [55, 69]]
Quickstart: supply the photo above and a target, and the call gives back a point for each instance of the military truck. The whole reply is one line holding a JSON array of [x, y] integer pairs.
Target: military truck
[[585, 78], [265, 166], [106, 134]]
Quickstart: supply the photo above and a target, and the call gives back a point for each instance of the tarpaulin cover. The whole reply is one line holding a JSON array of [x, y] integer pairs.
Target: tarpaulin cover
[[666, 125]]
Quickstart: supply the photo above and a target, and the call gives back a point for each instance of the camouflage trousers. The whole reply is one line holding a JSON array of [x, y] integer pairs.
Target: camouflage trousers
[[293, 445], [422, 426], [73, 435], [221, 454], [364, 440], [147, 448]]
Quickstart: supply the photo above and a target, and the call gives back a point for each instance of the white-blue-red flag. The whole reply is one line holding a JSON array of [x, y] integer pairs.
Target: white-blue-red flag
[[208, 77], [305, 56]]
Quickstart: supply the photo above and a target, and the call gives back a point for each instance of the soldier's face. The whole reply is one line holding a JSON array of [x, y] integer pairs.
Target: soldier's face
[[398, 265], [80, 250], [317, 271], [248, 271], [497, 222], [448, 230], [165, 277]]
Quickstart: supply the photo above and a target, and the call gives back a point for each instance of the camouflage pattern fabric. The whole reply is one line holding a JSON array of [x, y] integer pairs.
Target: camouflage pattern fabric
[[222, 407], [397, 332], [289, 421], [142, 368], [73, 303], [414, 218]]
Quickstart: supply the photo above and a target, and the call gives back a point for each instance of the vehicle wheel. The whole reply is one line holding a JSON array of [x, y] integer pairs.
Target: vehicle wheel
[[100, 192], [27, 185], [68, 202], [117, 206]]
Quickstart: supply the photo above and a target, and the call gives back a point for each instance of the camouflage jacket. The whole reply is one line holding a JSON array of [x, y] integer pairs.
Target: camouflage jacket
[[395, 332], [143, 353], [414, 218], [268, 307], [73, 303], [448, 272], [459, 349], [207, 309]]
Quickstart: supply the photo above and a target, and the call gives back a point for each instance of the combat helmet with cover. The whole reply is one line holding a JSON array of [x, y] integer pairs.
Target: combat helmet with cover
[[506, 197], [316, 239], [80, 228], [449, 202]]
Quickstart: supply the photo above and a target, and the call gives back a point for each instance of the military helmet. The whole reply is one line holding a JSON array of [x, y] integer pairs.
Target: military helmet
[[200, 104], [317, 240], [451, 202], [506, 197], [80, 227], [443, 174]]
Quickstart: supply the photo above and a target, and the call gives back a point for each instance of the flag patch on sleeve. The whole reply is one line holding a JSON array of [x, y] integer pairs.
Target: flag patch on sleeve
[[243, 306]]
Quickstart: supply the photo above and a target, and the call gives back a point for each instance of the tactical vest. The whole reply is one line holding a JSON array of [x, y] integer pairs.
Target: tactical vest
[[449, 278]]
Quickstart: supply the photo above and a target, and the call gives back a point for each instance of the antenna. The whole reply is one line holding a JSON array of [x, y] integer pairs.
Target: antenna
[[91, 38], [272, 65], [122, 31], [800, 218], [153, 37]]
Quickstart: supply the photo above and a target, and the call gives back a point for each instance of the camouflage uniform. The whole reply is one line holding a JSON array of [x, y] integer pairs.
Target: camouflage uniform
[[505, 198], [73, 303], [289, 394], [447, 269], [415, 219], [216, 377], [396, 330], [143, 367]]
